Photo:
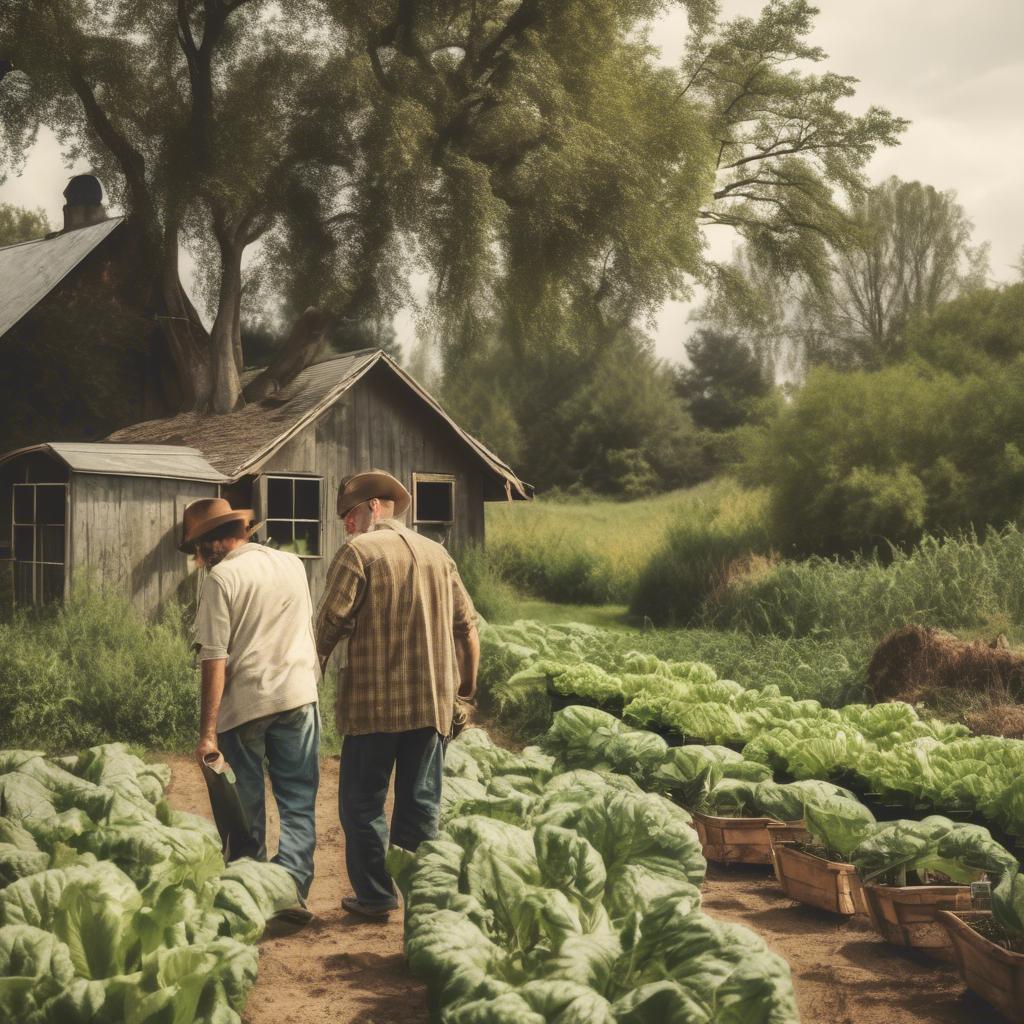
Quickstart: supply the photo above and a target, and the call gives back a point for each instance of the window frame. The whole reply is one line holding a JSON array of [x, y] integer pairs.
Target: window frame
[[37, 563], [432, 478], [265, 479]]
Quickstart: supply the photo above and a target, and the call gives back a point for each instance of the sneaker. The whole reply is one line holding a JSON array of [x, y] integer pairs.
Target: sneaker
[[356, 906]]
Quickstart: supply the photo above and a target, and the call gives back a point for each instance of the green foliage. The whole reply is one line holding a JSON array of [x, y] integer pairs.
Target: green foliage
[[954, 583], [859, 459], [21, 225], [696, 558], [93, 671], [585, 550], [493, 597], [722, 381], [114, 907], [571, 895]]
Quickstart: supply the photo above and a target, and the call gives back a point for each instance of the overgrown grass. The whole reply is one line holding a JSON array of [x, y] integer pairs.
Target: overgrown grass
[[94, 671], [961, 584], [597, 551]]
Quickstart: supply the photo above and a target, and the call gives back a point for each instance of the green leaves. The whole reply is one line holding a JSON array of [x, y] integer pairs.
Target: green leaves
[[110, 913]]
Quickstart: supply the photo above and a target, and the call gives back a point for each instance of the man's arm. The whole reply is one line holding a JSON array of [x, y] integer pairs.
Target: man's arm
[[346, 581], [213, 691], [467, 656]]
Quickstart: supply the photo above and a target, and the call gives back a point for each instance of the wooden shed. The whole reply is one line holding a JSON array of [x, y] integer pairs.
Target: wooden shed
[[114, 508]]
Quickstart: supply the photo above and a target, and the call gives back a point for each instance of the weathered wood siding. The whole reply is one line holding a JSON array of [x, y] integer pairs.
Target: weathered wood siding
[[377, 424], [124, 532]]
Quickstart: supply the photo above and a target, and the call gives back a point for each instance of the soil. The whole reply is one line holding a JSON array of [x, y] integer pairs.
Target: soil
[[343, 970]]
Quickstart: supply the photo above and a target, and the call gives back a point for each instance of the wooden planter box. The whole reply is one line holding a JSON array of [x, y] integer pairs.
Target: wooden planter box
[[994, 973], [827, 884], [905, 915], [734, 840]]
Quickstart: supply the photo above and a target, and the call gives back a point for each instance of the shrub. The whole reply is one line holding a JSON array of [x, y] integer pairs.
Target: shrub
[[95, 671], [694, 559], [494, 598]]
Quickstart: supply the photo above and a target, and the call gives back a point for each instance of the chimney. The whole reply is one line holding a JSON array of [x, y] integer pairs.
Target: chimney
[[84, 206]]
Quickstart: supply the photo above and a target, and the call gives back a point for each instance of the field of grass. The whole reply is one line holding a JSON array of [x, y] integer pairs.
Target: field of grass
[[596, 551]]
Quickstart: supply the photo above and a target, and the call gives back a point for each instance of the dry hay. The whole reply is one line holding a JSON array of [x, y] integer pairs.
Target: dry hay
[[997, 720], [916, 663]]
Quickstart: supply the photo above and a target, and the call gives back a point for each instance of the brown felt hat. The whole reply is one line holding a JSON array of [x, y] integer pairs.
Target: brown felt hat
[[206, 514], [360, 487]]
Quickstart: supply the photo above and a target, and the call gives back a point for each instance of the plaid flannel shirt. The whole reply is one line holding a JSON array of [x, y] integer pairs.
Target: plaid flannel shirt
[[398, 600]]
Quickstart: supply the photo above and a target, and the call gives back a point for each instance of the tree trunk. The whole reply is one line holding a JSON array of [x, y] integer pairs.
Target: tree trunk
[[304, 345], [187, 341], [225, 338]]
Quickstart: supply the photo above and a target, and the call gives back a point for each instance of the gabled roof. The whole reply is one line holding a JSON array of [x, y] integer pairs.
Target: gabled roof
[[241, 442], [163, 461], [29, 271]]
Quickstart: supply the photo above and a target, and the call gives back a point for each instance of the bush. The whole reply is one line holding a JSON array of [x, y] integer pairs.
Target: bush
[[494, 598], [695, 559], [95, 671]]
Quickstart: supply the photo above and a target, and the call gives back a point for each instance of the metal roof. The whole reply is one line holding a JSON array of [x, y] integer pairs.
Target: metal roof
[[29, 271], [240, 442], [169, 462]]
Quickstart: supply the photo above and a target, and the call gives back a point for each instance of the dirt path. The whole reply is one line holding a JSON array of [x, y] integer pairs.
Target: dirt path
[[843, 973], [342, 970]]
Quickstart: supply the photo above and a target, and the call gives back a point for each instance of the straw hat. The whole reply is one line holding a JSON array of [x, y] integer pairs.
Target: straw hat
[[206, 514], [360, 487]]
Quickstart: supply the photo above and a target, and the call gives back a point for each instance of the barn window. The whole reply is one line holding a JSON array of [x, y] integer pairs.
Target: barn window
[[433, 498], [37, 541], [293, 514]]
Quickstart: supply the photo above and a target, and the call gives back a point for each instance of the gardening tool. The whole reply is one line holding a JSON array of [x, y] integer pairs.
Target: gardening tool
[[229, 813]]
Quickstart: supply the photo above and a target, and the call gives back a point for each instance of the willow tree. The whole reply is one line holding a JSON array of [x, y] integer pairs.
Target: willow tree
[[203, 118]]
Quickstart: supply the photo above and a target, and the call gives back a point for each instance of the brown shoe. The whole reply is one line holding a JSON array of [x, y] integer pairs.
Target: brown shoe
[[376, 910]]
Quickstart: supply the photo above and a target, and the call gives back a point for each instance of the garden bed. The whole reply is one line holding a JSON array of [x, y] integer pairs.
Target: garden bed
[[818, 882], [905, 915], [734, 840], [988, 968]]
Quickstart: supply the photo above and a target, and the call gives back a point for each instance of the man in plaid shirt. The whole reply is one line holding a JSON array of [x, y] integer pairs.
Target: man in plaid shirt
[[412, 647]]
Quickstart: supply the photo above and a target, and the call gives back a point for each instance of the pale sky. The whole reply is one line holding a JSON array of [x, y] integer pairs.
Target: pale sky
[[955, 69]]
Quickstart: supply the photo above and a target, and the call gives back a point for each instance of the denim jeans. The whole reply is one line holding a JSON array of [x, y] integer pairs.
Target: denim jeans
[[290, 742], [417, 759]]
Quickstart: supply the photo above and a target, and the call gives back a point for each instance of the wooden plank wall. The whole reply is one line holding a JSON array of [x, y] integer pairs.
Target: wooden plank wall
[[125, 530], [377, 424]]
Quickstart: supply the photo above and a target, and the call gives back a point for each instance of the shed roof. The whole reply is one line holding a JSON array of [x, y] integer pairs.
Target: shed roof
[[29, 271], [240, 442], [164, 461]]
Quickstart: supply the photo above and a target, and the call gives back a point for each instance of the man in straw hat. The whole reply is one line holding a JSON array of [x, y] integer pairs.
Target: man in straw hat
[[412, 647], [254, 633]]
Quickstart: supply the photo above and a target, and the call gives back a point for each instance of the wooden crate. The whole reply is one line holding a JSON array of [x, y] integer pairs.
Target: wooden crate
[[994, 973], [734, 840], [905, 915], [785, 832], [829, 885]]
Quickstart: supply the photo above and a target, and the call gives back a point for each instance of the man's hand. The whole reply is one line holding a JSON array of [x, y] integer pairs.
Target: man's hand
[[207, 745]]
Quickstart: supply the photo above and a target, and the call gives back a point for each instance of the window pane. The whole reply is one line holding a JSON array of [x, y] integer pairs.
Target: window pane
[[53, 583], [23, 583], [434, 501], [51, 540], [307, 499], [307, 538], [24, 498], [279, 535], [50, 504], [279, 499], [24, 543]]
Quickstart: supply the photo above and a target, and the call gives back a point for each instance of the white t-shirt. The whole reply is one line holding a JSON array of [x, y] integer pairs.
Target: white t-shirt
[[255, 611]]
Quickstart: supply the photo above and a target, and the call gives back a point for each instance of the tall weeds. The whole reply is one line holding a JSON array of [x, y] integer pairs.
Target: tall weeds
[[956, 583], [95, 671]]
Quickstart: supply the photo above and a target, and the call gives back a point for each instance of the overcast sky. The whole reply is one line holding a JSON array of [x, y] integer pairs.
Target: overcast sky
[[955, 69]]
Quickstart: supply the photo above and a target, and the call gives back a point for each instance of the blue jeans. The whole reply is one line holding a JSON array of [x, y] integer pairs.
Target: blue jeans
[[290, 742], [417, 759]]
